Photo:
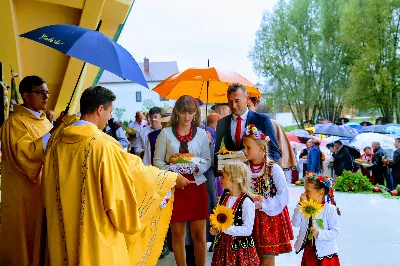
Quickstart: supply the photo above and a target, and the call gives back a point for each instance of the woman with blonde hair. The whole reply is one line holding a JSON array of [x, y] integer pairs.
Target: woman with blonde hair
[[190, 204]]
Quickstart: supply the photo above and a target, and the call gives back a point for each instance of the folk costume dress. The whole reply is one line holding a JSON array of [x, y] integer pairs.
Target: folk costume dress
[[323, 249], [235, 245], [191, 203], [272, 230]]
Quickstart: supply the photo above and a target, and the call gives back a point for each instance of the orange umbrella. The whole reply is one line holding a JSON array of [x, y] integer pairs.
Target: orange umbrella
[[194, 82]]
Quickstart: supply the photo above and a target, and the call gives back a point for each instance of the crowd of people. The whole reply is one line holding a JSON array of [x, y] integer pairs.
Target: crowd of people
[[73, 192], [372, 162]]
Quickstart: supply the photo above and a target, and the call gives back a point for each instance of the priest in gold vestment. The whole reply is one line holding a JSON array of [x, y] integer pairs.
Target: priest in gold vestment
[[23, 139], [102, 205]]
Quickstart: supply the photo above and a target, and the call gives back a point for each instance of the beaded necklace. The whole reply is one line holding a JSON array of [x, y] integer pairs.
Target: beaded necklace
[[185, 138]]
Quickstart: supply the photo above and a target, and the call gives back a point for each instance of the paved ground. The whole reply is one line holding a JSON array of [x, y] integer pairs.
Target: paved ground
[[370, 231]]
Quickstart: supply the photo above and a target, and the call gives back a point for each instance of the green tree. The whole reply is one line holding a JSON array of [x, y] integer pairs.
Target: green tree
[[147, 105], [118, 112], [370, 33], [297, 50]]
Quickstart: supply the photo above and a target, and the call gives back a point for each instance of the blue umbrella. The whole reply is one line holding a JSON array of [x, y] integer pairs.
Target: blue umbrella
[[90, 46], [375, 129], [335, 130]]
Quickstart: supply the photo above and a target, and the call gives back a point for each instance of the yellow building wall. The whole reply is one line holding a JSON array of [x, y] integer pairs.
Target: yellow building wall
[[30, 58]]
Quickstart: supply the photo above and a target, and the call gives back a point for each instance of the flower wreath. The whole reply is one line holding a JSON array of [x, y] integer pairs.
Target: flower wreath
[[251, 130], [326, 180]]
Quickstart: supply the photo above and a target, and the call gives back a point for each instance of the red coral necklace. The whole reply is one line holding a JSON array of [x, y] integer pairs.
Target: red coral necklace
[[185, 138], [256, 168]]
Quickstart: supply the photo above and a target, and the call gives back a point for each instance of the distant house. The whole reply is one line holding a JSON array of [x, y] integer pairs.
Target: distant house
[[134, 97]]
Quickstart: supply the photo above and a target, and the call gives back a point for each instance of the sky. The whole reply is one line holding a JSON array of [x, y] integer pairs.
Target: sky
[[191, 32]]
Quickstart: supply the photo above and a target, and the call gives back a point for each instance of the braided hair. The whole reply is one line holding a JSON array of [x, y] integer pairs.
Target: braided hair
[[264, 144], [324, 183]]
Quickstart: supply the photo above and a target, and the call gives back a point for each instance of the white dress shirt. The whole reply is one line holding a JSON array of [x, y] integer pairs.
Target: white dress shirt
[[137, 126], [234, 125], [326, 241], [167, 145], [147, 154], [139, 144], [248, 214], [46, 137]]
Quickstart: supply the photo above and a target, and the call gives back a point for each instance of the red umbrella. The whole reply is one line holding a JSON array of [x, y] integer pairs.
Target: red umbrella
[[293, 137]]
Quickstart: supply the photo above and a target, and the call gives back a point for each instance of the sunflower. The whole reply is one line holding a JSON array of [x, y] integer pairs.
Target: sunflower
[[310, 208], [222, 218]]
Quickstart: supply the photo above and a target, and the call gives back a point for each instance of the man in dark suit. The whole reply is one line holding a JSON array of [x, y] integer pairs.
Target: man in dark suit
[[231, 127], [378, 169], [342, 158], [395, 164]]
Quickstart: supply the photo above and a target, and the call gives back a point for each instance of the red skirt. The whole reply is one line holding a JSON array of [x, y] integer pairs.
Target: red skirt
[[310, 259], [190, 203], [225, 256], [272, 234]]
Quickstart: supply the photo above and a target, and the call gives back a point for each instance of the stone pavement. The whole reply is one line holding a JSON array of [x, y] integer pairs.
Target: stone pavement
[[370, 231]]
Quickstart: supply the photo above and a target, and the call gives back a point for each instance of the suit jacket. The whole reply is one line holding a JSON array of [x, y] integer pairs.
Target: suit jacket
[[152, 139], [262, 122], [314, 160], [342, 161], [395, 165], [378, 168]]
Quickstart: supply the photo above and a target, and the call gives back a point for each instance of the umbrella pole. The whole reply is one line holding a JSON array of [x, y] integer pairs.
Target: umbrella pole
[[80, 74], [208, 65]]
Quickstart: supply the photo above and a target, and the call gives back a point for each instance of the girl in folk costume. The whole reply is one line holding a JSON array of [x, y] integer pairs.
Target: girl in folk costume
[[272, 228], [322, 249], [235, 246]]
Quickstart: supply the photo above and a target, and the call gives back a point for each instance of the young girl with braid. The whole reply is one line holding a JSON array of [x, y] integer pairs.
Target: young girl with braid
[[235, 246], [322, 250], [272, 230]]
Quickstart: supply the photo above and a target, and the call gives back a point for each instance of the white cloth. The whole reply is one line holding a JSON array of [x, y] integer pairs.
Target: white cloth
[[46, 137], [234, 125], [248, 215], [139, 144], [326, 242], [137, 126], [273, 206], [167, 145]]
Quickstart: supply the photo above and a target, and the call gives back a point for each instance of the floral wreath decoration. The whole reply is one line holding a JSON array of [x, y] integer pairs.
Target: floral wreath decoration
[[326, 180], [255, 133]]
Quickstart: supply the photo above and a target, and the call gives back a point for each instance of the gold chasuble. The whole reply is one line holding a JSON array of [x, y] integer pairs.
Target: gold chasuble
[[22, 158], [103, 205]]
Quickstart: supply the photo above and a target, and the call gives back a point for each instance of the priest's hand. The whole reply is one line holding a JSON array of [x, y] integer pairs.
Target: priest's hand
[[182, 181]]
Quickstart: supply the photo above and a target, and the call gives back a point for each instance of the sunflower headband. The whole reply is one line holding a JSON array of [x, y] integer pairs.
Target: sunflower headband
[[326, 180], [252, 131]]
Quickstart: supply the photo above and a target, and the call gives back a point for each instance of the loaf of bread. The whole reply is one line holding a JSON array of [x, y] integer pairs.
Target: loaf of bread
[[183, 156]]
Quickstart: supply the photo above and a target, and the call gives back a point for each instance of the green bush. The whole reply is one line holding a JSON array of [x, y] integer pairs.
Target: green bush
[[353, 182]]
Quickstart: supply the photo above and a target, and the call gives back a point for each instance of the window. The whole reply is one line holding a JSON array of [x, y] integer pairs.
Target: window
[[162, 99], [138, 96]]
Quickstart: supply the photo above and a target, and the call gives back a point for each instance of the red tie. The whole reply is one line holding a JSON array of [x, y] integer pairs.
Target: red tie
[[238, 131]]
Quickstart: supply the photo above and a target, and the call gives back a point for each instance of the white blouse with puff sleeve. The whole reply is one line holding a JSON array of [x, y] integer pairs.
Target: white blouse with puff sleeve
[[167, 145]]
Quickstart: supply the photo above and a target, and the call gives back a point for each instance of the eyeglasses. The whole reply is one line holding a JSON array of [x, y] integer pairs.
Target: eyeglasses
[[42, 93]]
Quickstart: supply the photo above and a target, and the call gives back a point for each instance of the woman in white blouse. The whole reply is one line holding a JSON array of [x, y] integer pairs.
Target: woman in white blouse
[[191, 203]]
